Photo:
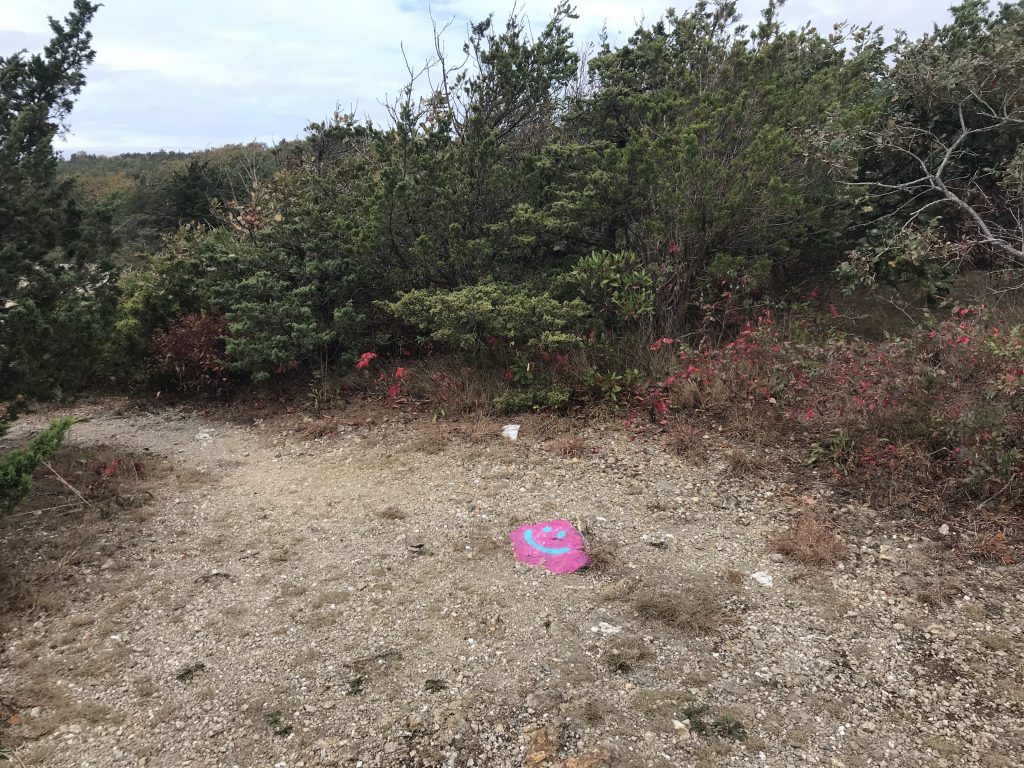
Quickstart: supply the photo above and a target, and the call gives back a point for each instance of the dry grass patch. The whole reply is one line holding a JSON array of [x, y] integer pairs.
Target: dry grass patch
[[569, 446], [540, 427], [698, 608], [626, 655], [478, 430], [451, 388], [741, 461], [735, 577], [316, 429], [687, 441], [431, 438], [84, 508], [809, 541], [391, 514], [603, 556]]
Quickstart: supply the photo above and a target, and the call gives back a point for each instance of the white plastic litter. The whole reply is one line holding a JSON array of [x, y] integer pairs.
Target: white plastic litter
[[762, 578], [511, 431]]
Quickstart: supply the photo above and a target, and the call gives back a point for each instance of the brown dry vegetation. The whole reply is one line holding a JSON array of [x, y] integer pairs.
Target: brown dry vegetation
[[317, 428], [87, 500], [391, 513], [809, 541], [570, 446], [699, 607]]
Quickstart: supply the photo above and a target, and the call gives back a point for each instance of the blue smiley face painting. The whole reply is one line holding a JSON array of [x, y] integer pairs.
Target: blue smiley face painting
[[554, 544]]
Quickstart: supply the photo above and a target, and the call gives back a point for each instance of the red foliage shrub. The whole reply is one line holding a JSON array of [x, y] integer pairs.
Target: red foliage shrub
[[191, 352], [939, 413]]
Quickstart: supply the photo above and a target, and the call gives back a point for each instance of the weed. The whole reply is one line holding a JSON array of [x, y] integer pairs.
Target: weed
[[686, 441], [699, 608], [554, 397], [735, 577], [391, 513], [810, 542], [745, 462], [625, 656], [277, 724], [185, 674], [603, 557], [592, 712], [319, 428], [725, 725], [432, 438], [479, 430], [434, 685], [729, 727], [355, 686], [571, 447], [838, 452]]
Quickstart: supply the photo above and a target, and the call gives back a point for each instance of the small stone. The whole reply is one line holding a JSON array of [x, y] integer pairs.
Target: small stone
[[540, 701], [944, 530], [75, 728], [762, 578], [867, 726], [604, 628], [775, 557]]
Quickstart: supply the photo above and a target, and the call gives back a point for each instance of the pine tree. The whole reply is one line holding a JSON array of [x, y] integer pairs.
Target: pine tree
[[55, 285]]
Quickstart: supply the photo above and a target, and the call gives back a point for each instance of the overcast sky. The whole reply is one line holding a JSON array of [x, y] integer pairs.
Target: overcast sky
[[193, 74]]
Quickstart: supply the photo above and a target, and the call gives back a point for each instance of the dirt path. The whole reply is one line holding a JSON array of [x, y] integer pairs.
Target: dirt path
[[353, 601]]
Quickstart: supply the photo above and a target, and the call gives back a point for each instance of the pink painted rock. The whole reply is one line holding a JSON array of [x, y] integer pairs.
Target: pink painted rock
[[555, 544]]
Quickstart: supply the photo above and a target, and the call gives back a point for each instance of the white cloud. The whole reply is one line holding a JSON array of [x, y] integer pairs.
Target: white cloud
[[201, 73]]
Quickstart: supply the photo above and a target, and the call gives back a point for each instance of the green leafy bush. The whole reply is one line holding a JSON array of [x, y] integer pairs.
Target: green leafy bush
[[617, 283], [554, 397], [17, 466], [479, 316]]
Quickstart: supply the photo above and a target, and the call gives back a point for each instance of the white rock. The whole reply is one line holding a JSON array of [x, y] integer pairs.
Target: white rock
[[944, 530], [604, 628], [762, 578]]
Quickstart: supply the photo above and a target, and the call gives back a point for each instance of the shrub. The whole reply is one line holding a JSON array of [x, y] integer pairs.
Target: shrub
[[554, 397], [617, 283], [940, 409], [17, 466], [488, 314], [191, 353], [808, 541]]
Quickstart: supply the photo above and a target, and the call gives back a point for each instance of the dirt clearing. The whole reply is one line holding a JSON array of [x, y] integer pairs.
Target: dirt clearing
[[281, 594]]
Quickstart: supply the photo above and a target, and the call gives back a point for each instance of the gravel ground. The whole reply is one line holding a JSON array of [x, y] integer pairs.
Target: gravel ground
[[352, 600]]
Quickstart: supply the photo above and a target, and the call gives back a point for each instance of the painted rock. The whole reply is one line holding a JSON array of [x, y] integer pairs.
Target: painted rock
[[555, 544]]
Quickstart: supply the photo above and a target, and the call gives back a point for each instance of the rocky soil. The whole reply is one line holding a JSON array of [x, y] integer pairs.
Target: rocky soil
[[279, 599]]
